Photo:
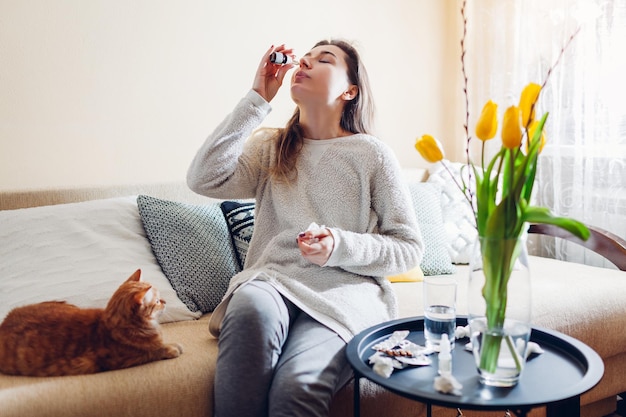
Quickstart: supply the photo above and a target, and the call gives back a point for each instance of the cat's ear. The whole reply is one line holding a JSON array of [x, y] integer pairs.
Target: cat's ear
[[139, 297], [136, 276]]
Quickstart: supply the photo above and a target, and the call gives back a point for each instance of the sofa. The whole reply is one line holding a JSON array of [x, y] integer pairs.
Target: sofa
[[79, 244]]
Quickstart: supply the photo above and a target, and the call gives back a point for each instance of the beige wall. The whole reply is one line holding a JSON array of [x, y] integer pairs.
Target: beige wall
[[123, 91]]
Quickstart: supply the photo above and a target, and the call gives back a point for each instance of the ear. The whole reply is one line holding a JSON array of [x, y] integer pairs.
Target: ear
[[141, 295], [136, 276], [350, 93]]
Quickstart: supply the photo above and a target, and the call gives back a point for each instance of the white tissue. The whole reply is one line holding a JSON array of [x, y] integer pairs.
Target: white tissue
[[461, 332], [384, 365], [533, 348], [314, 227], [448, 384]]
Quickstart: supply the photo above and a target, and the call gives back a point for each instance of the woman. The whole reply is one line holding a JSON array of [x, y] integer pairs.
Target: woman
[[305, 291]]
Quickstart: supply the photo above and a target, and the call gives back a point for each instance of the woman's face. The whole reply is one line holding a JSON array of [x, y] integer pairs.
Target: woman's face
[[322, 77]]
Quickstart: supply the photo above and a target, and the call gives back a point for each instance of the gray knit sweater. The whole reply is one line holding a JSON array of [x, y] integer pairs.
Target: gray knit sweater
[[350, 184]]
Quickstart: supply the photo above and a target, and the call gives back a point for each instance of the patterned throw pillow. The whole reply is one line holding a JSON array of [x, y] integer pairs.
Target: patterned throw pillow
[[427, 204], [193, 247], [459, 222], [240, 220]]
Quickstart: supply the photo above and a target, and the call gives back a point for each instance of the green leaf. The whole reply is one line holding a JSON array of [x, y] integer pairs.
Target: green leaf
[[543, 215]]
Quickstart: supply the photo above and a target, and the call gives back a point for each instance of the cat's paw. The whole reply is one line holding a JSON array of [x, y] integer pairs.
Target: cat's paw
[[173, 350]]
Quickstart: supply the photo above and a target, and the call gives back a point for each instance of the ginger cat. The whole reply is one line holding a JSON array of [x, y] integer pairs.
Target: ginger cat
[[56, 338]]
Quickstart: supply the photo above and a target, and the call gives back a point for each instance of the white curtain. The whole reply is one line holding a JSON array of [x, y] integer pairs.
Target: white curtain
[[582, 170]]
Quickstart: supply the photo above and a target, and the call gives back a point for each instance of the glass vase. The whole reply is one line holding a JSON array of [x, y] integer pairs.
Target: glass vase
[[499, 307]]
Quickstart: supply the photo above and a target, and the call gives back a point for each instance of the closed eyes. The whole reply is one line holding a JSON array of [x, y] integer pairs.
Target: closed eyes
[[322, 57]]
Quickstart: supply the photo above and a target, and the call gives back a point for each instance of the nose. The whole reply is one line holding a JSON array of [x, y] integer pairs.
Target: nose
[[304, 62]]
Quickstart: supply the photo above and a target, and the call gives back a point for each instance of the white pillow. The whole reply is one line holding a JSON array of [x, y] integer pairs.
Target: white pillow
[[80, 253], [458, 217]]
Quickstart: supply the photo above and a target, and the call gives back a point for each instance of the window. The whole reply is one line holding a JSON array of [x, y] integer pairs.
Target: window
[[582, 171]]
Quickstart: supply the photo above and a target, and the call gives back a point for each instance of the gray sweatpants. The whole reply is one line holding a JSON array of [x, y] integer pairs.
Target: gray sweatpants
[[274, 360]]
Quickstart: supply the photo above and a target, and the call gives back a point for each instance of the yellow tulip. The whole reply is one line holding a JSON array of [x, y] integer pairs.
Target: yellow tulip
[[487, 125], [531, 135], [527, 100], [511, 130], [430, 148]]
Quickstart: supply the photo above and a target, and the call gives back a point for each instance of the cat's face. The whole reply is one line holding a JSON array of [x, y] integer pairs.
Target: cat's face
[[137, 297], [152, 305]]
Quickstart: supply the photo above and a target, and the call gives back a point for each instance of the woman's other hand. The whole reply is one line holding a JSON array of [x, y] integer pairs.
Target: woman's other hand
[[269, 77], [316, 246]]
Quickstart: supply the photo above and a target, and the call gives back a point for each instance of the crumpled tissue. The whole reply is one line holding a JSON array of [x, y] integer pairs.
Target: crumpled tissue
[[448, 384]]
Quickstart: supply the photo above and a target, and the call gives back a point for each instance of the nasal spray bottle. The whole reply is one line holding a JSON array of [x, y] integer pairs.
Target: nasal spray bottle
[[280, 58]]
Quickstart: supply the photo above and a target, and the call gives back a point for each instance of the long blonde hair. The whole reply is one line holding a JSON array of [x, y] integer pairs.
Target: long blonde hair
[[357, 116]]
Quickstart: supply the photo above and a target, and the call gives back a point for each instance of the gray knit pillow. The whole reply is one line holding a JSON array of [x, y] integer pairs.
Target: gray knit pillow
[[193, 247], [427, 204]]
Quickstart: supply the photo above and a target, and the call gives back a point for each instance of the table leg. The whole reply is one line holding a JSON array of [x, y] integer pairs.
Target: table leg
[[569, 407], [357, 396]]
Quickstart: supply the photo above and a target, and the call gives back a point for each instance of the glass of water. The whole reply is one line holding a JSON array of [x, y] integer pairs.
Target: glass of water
[[439, 310]]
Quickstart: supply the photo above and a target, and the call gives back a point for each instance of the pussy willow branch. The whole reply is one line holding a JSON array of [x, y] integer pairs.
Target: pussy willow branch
[[463, 50], [558, 59], [467, 190], [550, 70]]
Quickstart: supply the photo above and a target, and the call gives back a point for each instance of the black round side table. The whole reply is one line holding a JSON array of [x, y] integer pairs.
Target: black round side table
[[555, 378]]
